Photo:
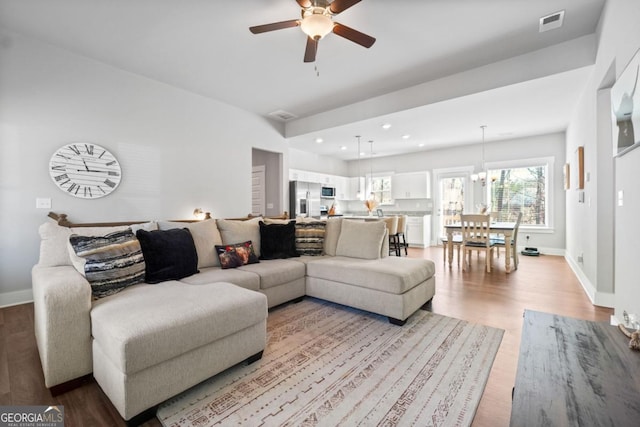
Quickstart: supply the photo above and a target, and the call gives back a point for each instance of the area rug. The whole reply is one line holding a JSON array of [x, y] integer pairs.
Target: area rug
[[329, 365]]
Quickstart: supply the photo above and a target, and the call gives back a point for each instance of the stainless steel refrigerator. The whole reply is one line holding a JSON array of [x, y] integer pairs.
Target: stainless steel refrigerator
[[304, 199]]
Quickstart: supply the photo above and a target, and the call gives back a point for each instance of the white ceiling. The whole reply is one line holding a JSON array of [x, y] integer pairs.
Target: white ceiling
[[204, 46]]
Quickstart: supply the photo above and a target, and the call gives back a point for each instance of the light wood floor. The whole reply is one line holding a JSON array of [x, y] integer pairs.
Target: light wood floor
[[497, 299]]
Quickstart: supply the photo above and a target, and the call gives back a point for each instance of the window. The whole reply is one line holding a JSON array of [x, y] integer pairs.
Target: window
[[521, 189], [380, 187]]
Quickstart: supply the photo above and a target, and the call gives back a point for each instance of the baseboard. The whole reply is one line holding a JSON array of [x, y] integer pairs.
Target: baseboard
[[547, 251], [601, 299], [7, 299]]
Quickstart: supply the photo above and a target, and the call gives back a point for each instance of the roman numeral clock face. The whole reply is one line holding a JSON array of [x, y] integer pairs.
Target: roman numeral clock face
[[87, 171]]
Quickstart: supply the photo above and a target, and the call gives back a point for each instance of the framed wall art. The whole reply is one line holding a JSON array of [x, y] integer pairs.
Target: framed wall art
[[579, 168]]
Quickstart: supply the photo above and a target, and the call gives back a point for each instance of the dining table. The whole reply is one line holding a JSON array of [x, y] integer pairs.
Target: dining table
[[505, 229]]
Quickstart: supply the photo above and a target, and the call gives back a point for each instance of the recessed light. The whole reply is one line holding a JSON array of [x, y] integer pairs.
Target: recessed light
[[362, 153], [406, 136], [386, 126], [319, 140], [421, 144], [343, 148]]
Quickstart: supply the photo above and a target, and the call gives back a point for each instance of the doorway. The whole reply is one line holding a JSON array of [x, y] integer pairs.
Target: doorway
[[258, 193], [452, 196], [266, 183]]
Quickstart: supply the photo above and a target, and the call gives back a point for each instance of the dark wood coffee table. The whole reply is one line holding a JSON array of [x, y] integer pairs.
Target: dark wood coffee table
[[575, 373]]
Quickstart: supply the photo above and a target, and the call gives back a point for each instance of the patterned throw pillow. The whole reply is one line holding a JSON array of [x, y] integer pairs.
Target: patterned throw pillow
[[233, 231], [236, 255], [310, 238], [113, 261]]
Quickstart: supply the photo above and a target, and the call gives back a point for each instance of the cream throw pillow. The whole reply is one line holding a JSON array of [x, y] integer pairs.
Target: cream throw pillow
[[331, 235], [238, 231], [360, 239], [53, 245], [205, 237]]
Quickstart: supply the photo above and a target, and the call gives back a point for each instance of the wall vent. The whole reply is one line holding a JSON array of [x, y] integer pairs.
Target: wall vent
[[552, 21], [282, 115]]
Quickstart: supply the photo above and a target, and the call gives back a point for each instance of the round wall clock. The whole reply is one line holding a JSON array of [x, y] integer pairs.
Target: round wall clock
[[87, 171]]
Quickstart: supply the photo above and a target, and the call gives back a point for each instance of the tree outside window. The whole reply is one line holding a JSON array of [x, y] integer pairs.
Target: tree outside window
[[522, 189], [380, 189]]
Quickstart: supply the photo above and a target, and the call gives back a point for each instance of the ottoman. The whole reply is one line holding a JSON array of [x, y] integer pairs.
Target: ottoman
[[151, 342], [392, 286]]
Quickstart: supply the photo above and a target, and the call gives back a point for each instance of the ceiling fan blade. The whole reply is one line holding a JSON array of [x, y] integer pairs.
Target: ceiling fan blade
[[274, 26], [338, 6], [355, 36], [311, 50], [304, 3]]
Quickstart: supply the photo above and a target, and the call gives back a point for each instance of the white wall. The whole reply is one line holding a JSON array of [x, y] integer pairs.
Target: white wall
[[178, 150], [627, 231], [306, 161], [590, 225], [551, 145]]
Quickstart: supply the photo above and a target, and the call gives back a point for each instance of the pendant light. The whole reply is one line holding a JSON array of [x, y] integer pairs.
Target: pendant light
[[482, 175]]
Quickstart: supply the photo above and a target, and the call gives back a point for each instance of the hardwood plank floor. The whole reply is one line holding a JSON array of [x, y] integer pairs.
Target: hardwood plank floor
[[497, 299]]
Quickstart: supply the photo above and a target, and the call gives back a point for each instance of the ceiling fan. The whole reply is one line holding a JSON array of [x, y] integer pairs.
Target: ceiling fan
[[317, 22]]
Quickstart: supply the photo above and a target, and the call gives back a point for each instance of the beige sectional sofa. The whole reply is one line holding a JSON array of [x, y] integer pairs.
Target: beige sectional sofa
[[149, 342]]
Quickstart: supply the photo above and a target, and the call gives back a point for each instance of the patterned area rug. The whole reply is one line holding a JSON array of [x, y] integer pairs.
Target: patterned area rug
[[330, 365]]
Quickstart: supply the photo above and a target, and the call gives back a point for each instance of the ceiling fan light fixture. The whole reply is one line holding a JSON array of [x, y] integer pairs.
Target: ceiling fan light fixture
[[316, 25]]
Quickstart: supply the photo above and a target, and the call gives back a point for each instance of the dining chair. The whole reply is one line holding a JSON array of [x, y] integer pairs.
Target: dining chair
[[456, 241], [392, 227], [475, 237], [401, 232], [499, 242]]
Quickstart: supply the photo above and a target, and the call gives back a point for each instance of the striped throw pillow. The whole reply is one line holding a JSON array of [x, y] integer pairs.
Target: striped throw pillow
[[310, 237], [113, 261]]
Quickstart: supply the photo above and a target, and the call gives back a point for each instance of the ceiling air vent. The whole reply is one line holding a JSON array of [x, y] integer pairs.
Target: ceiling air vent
[[552, 21], [282, 115]]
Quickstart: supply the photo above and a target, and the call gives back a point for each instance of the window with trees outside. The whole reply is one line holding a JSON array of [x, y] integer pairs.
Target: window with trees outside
[[520, 189], [380, 188]]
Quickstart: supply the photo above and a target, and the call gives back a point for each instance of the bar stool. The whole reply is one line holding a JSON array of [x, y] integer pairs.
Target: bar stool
[[402, 232], [392, 227]]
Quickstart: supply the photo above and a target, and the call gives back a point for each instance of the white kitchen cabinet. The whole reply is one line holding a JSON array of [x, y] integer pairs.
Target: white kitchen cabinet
[[419, 231], [297, 175], [330, 180], [346, 187], [342, 187], [308, 176], [412, 185]]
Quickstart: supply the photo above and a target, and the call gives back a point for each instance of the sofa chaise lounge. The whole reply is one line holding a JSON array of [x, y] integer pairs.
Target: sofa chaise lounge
[[149, 342]]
